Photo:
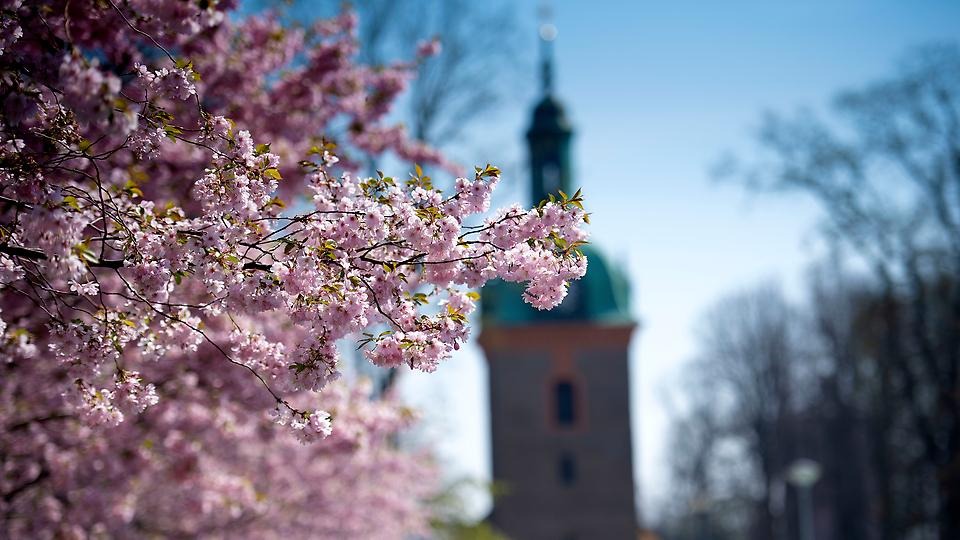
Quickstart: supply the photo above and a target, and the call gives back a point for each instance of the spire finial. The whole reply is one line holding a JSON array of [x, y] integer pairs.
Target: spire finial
[[548, 33]]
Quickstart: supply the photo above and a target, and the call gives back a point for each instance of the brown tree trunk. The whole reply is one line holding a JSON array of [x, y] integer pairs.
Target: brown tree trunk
[[949, 491]]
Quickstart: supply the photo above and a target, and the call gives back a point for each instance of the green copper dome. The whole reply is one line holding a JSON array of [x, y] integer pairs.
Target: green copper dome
[[601, 296]]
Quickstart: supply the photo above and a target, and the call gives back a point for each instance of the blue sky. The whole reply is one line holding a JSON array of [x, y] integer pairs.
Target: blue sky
[[657, 93]]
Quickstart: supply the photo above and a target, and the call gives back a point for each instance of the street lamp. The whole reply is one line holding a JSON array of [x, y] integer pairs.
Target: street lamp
[[700, 506], [803, 474]]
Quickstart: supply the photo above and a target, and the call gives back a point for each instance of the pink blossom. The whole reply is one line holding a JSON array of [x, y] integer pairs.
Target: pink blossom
[[89, 288], [428, 48], [186, 260]]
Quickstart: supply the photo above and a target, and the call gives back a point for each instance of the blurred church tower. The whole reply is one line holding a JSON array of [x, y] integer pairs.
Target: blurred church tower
[[559, 380]]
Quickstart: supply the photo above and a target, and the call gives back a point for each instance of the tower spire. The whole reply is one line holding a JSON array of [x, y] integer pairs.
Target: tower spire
[[548, 33]]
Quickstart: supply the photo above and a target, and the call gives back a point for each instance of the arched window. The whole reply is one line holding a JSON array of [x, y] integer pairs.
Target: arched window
[[565, 403]]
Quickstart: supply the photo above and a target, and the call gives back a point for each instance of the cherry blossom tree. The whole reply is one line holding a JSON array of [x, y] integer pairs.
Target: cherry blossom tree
[[184, 239]]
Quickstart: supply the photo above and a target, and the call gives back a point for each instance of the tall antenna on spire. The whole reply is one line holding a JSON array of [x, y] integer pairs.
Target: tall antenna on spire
[[548, 33]]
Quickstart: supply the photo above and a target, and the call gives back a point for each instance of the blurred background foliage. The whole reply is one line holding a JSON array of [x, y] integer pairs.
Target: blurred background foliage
[[862, 376]]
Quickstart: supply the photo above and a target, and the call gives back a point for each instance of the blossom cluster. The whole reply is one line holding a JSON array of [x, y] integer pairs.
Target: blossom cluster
[[179, 258]]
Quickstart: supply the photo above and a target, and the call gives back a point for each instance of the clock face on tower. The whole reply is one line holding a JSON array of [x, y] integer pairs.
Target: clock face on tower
[[551, 177]]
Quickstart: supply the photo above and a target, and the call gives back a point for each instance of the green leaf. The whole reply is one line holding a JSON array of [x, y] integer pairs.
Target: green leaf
[[85, 253], [132, 188], [272, 172], [172, 132]]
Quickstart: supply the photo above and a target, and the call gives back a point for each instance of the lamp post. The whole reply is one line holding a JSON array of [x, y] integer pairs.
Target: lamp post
[[803, 474], [700, 507]]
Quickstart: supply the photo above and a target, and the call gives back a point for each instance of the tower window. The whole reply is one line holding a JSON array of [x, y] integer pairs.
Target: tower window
[[565, 401], [567, 470]]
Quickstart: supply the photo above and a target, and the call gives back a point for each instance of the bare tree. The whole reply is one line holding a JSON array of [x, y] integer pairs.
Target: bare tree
[[740, 433], [850, 412], [472, 75], [886, 171], [708, 499], [749, 344], [773, 383]]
